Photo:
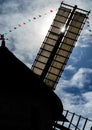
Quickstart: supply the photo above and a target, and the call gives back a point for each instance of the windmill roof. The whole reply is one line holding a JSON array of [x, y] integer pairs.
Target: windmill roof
[[14, 72], [12, 67], [19, 81]]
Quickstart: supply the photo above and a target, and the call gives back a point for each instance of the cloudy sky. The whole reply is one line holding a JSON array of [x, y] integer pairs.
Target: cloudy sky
[[25, 23]]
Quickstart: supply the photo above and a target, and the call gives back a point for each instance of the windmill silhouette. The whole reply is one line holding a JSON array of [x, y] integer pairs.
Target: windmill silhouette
[[45, 107], [55, 52]]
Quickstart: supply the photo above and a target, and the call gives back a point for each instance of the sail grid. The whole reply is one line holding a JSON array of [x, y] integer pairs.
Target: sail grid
[[57, 45]]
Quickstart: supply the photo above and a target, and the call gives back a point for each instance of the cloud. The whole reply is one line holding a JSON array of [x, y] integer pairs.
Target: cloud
[[80, 103], [26, 40], [72, 94], [74, 103], [88, 104], [88, 96], [80, 78], [70, 67], [84, 41]]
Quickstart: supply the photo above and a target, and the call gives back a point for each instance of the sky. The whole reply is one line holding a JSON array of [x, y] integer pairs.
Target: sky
[[25, 23]]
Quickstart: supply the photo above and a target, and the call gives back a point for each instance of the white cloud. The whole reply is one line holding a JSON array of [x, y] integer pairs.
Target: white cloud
[[28, 38], [84, 41], [74, 56], [80, 103], [88, 97], [84, 44], [72, 102], [70, 67], [80, 78]]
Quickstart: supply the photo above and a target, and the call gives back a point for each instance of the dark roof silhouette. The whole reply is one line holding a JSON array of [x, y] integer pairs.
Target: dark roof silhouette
[[26, 102]]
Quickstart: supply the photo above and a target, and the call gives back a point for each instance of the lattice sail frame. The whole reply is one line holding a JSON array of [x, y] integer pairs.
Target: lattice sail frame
[[75, 122], [57, 46]]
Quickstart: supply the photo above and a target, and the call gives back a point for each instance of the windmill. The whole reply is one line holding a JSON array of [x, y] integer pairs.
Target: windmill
[[55, 52], [48, 67]]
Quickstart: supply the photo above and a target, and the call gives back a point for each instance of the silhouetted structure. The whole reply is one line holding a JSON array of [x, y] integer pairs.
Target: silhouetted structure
[[26, 99], [25, 102], [55, 52]]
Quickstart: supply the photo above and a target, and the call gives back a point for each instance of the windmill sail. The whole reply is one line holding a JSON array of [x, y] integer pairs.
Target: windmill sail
[[59, 43], [75, 122]]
